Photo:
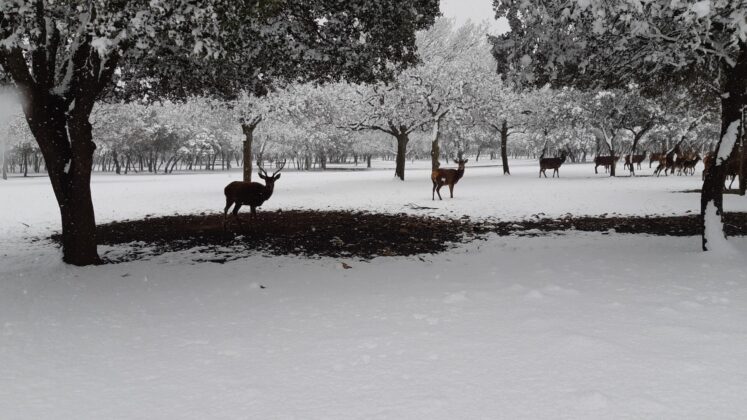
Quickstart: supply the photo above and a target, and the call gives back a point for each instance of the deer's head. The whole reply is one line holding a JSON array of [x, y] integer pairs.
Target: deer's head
[[270, 179], [461, 162]]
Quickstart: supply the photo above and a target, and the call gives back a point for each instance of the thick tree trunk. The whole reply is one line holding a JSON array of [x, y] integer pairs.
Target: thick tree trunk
[[742, 166], [399, 170], [504, 147], [67, 146], [733, 100]]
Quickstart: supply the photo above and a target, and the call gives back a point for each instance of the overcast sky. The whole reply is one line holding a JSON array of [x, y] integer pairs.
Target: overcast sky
[[476, 10]]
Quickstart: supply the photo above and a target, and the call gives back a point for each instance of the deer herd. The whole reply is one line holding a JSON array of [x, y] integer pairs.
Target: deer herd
[[254, 194]]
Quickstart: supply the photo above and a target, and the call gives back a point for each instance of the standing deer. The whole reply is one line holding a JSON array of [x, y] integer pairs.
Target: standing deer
[[450, 177], [655, 157], [552, 163], [252, 194], [634, 159], [605, 161]]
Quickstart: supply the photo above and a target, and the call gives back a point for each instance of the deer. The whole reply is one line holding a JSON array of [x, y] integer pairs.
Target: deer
[[685, 163], [667, 161], [634, 159], [253, 194], [605, 161], [655, 157], [552, 163], [450, 177]]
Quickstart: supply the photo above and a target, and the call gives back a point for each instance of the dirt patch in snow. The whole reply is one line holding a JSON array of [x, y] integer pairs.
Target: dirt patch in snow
[[298, 232], [736, 224], [349, 234]]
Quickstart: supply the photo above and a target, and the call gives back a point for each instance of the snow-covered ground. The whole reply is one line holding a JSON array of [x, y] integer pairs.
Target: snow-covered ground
[[572, 326]]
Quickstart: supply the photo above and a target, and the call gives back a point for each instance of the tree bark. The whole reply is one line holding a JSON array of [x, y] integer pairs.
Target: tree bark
[[67, 146], [733, 100], [402, 140], [504, 147], [435, 147], [248, 128]]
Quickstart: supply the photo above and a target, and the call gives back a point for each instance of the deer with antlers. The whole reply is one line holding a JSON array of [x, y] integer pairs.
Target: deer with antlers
[[253, 194], [450, 177], [552, 163]]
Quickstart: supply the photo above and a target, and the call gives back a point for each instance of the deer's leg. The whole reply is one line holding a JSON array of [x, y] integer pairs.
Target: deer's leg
[[595, 169], [236, 212], [438, 190], [557, 171], [229, 203], [254, 211], [433, 193], [451, 190]]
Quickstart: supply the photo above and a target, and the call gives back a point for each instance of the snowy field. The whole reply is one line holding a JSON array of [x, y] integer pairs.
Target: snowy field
[[570, 326]]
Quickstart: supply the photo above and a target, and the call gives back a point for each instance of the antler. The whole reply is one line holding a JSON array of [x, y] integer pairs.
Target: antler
[[282, 165], [261, 169]]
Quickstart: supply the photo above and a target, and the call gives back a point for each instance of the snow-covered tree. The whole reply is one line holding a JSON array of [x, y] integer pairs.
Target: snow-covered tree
[[63, 56], [654, 44]]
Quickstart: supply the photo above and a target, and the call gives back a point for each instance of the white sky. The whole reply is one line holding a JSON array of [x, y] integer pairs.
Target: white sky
[[475, 10]]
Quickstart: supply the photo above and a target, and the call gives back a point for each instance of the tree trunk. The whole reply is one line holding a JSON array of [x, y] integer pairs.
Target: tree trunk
[[248, 129], [742, 166], [117, 167], [435, 147], [69, 164], [733, 99], [399, 170], [504, 147], [5, 158]]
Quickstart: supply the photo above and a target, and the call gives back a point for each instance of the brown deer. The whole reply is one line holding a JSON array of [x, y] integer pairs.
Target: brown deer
[[636, 159], [688, 166], [450, 177], [605, 161], [655, 157], [252, 194], [552, 163], [667, 160]]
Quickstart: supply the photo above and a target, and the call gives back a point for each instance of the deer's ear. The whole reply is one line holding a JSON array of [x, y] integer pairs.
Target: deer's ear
[[262, 176], [466, 160], [277, 176]]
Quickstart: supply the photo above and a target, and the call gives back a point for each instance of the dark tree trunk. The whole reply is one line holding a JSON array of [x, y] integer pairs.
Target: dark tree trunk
[[742, 166], [248, 128], [117, 167], [69, 164], [504, 147], [435, 146], [733, 99], [402, 140], [368, 161]]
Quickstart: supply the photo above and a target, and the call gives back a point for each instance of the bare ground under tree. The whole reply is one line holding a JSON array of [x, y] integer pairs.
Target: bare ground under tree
[[349, 234]]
